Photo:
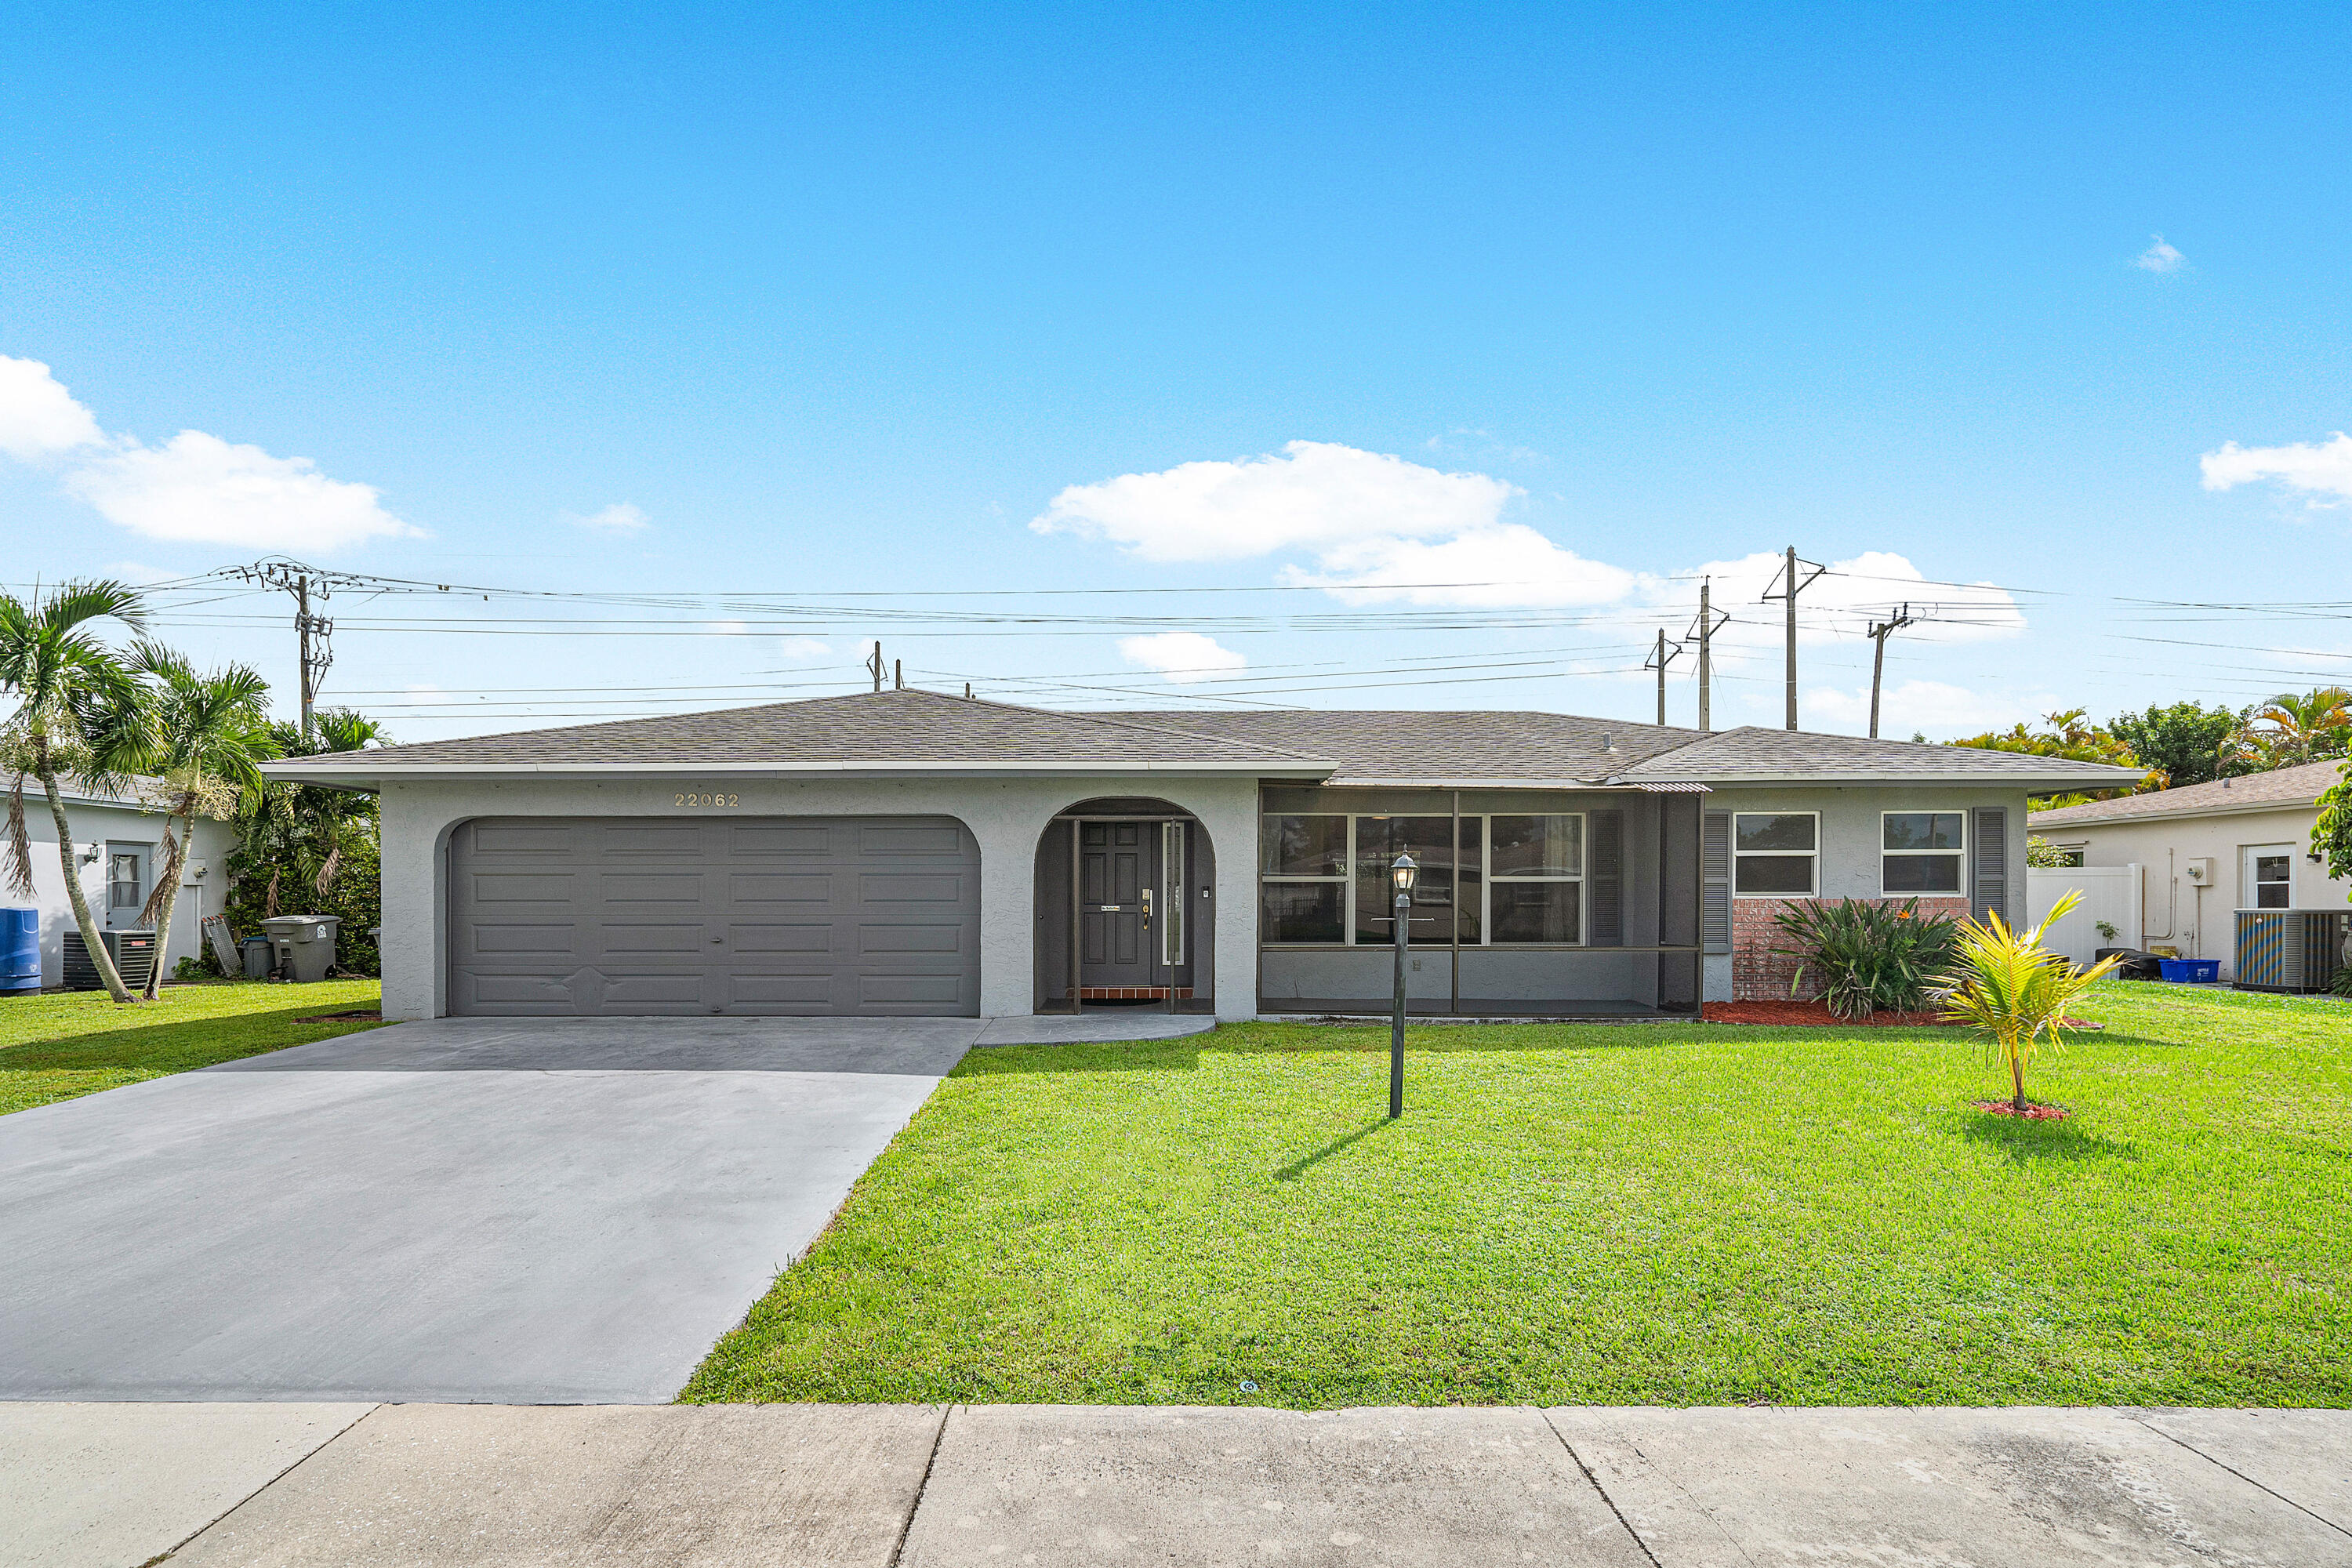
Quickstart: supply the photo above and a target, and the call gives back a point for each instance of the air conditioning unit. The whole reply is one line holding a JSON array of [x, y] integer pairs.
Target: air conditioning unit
[[134, 952]]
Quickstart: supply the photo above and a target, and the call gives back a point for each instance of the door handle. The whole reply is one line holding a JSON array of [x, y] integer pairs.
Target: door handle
[[1146, 907]]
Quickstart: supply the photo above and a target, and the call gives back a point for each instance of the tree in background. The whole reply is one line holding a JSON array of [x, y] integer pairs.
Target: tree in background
[[2185, 742], [313, 848], [2293, 729], [2069, 736], [81, 713], [210, 732]]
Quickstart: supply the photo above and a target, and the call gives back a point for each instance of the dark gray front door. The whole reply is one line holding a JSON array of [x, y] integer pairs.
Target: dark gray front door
[[874, 917], [1119, 878]]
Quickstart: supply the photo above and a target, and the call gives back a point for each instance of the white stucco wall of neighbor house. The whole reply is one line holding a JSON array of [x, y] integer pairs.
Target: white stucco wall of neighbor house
[[1005, 817], [100, 829]]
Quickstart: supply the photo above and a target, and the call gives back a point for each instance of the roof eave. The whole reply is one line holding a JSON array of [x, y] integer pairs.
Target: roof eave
[[296, 771], [2032, 783], [2233, 808]]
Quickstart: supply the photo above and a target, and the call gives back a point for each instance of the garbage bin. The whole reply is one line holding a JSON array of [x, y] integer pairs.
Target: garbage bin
[[256, 953], [304, 945]]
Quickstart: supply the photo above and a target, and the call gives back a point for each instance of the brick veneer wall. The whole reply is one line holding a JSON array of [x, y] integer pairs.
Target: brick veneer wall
[[1760, 974]]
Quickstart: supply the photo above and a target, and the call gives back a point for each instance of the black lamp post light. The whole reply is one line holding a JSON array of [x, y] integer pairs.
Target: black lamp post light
[[1402, 874]]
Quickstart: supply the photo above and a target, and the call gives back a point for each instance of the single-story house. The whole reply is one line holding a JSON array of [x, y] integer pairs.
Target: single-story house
[[118, 853], [907, 853], [2207, 851]]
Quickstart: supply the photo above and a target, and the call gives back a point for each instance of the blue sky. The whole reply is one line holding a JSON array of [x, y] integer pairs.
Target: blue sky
[[1566, 306]]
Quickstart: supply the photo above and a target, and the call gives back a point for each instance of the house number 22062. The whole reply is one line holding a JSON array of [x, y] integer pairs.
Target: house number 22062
[[707, 800]]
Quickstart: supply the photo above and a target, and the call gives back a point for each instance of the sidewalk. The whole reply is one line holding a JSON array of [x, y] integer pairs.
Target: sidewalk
[[358, 1485]]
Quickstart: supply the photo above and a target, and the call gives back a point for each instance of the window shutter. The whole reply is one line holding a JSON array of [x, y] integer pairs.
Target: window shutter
[[1715, 883], [1989, 835], [1608, 881]]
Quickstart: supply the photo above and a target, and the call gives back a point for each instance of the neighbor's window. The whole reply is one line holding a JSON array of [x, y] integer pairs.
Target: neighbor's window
[[1773, 853], [1303, 878], [1535, 888], [122, 889], [1920, 851]]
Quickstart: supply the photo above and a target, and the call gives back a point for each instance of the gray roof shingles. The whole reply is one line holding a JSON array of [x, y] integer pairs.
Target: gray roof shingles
[[911, 728], [2280, 786]]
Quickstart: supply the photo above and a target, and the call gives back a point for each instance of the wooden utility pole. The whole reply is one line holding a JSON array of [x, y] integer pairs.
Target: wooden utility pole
[[1789, 573], [874, 665], [1659, 658], [1879, 632], [1702, 630], [313, 632]]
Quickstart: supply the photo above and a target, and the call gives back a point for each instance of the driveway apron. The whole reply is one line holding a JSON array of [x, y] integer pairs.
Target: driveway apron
[[518, 1211]]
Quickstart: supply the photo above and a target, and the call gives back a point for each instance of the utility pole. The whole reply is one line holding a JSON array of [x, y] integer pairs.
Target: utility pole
[[1789, 595], [874, 663], [1879, 632], [1658, 660], [1703, 630], [313, 632]]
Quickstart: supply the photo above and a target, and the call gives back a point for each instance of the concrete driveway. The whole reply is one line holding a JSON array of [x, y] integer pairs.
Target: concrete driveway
[[517, 1211]]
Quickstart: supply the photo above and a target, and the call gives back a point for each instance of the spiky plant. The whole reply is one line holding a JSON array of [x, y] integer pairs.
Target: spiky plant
[[2015, 992], [1865, 957]]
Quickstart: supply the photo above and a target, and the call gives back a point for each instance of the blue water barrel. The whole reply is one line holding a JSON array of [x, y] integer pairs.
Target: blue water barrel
[[20, 950]]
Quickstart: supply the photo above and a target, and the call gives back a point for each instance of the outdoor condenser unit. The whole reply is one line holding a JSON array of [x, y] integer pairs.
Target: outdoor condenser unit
[[134, 952], [2289, 949]]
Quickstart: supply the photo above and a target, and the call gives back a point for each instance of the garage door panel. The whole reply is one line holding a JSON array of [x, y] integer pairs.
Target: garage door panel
[[807, 916]]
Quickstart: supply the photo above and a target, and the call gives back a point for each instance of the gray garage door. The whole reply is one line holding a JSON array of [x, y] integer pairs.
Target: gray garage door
[[859, 916]]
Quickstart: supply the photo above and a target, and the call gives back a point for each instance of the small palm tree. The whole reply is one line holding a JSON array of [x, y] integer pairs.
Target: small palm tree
[[2293, 728], [81, 713], [2015, 991], [313, 830], [210, 733]]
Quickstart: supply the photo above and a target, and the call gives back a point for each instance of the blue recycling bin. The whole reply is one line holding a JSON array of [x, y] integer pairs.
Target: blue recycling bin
[[20, 950], [2192, 971]]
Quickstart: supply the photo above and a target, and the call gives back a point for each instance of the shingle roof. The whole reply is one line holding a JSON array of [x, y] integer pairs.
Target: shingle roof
[[897, 727], [2280, 787], [923, 730], [1400, 745]]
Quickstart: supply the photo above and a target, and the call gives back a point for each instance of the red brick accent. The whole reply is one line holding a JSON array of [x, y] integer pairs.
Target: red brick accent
[[1131, 992], [1759, 974]]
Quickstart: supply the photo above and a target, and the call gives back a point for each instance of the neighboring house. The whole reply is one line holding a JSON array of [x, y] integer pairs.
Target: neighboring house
[[119, 852], [2206, 851], [907, 853]]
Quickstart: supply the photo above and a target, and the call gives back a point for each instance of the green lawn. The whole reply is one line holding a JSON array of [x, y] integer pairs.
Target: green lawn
[[1652, 1214], [59, 1045]]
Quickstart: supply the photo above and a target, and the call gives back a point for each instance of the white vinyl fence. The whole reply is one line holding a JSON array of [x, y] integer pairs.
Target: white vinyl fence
[[2110, 893]]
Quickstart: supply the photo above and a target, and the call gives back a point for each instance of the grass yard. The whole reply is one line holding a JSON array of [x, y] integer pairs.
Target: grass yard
[[59, 1045], [1674, 1214]]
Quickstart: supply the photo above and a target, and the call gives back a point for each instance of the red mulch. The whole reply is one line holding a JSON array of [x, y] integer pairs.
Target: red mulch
[[2033, 1112], [1813, 1012], [369, 1017]]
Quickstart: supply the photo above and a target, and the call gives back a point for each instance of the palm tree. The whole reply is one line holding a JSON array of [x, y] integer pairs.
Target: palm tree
[[2015, 991], [80, 713], [2291, 727], [210, 732], [314, 830]]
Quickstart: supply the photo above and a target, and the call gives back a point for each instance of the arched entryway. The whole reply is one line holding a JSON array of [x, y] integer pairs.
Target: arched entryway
[[1126, 908]]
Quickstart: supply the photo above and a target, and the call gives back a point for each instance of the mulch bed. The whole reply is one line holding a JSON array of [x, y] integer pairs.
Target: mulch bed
[[370, 1016], [1816, 1014], [2033, 1112]]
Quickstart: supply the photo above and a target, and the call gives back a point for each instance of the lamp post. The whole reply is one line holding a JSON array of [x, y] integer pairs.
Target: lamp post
[[1402, 874]]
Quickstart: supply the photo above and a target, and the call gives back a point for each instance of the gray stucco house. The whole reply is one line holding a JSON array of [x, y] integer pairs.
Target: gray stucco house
[[905, 853]]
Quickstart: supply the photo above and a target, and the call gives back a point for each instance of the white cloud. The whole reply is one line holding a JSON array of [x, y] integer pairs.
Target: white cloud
[[194, 488], [198, 488], [1839, 605], [1182, 656], [803, 648], [1317, 495], [38, 417], [1939, 710], [618, 518], [1507, 564], [2159, 257], [2322, 468], [726, 628]]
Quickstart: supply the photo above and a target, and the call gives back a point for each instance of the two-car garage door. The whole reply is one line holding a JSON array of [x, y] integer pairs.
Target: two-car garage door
[[825, 916]]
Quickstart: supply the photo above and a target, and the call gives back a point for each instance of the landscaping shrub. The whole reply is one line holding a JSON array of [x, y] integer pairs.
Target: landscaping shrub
[[354, 896], [1867, 956]]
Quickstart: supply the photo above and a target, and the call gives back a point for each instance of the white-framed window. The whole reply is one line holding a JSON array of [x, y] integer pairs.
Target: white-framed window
[[1775, 854], [1515, 878], [1920, 853]]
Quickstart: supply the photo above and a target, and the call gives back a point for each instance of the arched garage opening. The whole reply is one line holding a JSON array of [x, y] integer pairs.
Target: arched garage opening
[[1126, 909], [742, 916]]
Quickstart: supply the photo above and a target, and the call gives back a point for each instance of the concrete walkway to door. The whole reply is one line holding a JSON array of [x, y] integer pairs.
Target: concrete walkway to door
[[523, 1211]]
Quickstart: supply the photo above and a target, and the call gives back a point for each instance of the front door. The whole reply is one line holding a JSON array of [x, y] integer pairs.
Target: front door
[[126, 884], [1119, 882], [2266, 877]]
